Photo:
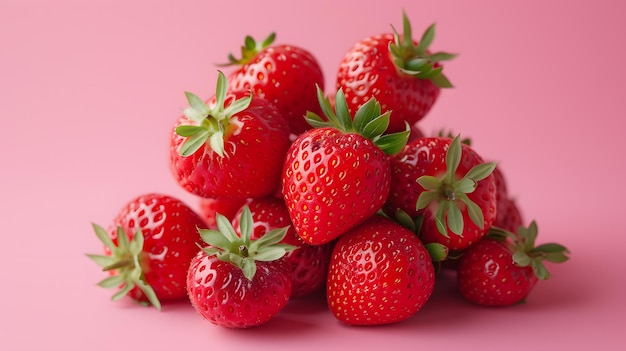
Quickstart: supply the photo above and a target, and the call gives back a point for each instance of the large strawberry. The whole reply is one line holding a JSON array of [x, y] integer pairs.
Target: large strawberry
[[234, 146], [238, 282], [380, 273], [337, 175], [309, 263], [502, 268], [403, 75], [285, 75], [448, 185], [148, 248]]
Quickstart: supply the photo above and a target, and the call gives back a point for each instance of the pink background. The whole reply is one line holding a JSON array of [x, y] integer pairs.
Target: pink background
[[89, 90]]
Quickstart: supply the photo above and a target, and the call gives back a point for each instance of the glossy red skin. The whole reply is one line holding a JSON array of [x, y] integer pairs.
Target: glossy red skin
[[488, 276], [332, 181], [309, 263], [367, 70], [287, 76], [170, 233], [427, 156], [255, 147], [220, 292], [380, 273]]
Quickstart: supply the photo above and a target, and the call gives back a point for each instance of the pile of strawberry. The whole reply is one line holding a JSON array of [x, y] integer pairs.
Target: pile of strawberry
[[303, 189]]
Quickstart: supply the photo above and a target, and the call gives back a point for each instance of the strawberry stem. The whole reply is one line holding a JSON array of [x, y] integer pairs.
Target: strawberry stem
[[243, 250], [127, 262]]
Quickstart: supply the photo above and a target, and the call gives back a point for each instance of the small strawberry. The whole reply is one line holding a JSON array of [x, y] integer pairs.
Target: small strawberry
[[234, 146], [148, 249], [309, 263], [285, 75], [446, 183], [502, 268], [404, 76], [238, 282], [380, 273], [337, 175]]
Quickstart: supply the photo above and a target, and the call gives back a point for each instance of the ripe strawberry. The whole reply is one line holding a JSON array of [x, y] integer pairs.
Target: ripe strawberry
[[337, 175], [502, 268], [380, 273], [285, 75], [233, 147], [148, 249], [446, 183], [401, 74], [237, 282], [309, 263]]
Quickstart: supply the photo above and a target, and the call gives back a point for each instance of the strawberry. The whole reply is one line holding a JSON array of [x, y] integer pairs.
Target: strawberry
[[448, 185], [380, 273], [337, 175], [234, 146], [285, 75], [148, 248], [400, 73], [309, 263], [238, 282], [502, 268]]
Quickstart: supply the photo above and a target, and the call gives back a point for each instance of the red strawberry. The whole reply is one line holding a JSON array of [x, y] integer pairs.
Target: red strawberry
[[148, 249], [380, 273], [446, 183], [337, 175], [233, 147], [285, 75], [238, 282], [400, 73], [503, 268], [309, 263]]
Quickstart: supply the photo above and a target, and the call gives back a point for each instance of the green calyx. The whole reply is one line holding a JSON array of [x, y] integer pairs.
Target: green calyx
[[368, 121], [525, 253], [242, 251], [125, 261], [249, 50], [415, 60], [209, 123], [449, 193]]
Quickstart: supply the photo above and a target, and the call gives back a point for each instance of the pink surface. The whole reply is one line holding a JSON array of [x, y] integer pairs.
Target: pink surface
[[89, 90]]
